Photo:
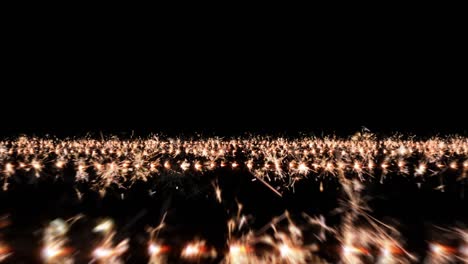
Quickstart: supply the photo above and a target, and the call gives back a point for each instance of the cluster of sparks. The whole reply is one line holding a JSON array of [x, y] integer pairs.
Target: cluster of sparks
[[107, 252], [278, 163], [284, 244], [284, 161], [55, 242]]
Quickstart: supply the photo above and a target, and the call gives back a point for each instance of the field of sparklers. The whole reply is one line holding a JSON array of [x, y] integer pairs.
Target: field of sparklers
[[240, 200]]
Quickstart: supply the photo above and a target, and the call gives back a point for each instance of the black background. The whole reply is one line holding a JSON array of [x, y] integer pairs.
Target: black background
[[73, 83]]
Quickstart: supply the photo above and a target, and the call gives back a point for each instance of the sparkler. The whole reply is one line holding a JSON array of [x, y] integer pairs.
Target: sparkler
[[198, 250], [239, 253], [357, 240], [55, 250], [5, 252], [441, 253], [156, 253], [240, 248], [106, 252], [156, 249], [287, 245]]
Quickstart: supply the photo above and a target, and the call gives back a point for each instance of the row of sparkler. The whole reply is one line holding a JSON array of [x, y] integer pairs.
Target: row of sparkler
[[362, 239], [115, 161], [285, 247]]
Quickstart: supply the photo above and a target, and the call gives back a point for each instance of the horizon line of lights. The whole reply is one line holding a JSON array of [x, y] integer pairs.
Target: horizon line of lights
[[284, 161]]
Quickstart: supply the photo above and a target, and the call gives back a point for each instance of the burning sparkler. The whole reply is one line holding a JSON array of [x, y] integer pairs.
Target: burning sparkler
[[198, 250], [5, 252], [156, 249], [106, 252], [55, 250]]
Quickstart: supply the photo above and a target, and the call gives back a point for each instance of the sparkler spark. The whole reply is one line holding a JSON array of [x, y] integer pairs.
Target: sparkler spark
[[198, 250], [5, 252], [55, 240], [156, 249], [106, 252]]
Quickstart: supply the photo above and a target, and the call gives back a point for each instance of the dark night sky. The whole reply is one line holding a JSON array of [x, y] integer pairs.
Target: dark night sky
[[318, 91]]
